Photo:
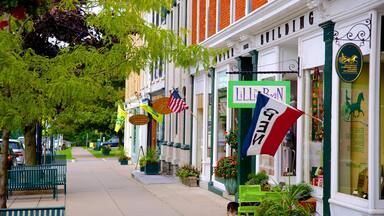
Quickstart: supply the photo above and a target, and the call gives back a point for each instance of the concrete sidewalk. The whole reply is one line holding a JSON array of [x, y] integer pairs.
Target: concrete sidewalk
[[104, 187], [99, 187]]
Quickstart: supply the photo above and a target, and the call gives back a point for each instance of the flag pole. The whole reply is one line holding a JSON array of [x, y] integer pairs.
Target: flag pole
[[315, 118]]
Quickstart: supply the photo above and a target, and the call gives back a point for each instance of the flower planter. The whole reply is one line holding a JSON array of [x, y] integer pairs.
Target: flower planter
[[191, 181], [230, 185], [142, 168], [105, 153], [309, 204], [152, 169], [123, 162]]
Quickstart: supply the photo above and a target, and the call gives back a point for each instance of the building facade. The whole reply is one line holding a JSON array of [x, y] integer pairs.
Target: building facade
[[339, 151]]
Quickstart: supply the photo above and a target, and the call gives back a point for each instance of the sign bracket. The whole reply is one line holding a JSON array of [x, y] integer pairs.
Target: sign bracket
[[294, 68]]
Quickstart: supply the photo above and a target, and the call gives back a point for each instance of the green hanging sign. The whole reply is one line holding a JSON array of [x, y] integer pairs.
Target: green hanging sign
[[349, 62]]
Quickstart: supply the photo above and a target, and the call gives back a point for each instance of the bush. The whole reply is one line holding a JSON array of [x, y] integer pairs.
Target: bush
[[105, 149], [187, 171], [142, 162], [151, 156], [226, 167], [260, 178]]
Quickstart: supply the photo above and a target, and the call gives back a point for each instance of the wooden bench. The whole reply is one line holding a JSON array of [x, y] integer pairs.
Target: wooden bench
[[61, 172], [47, 211], [32, 179]]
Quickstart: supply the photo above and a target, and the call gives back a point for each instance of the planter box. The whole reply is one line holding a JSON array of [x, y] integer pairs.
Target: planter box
[[142, 169], [123, 162], [105, 153], [309, 204], [191, 181], [152, 169]]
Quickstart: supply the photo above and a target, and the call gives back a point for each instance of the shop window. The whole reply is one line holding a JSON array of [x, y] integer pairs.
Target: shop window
[[316, 132], [382, 119], [221, 122], [288, 149], [209, 128], [353, 134]]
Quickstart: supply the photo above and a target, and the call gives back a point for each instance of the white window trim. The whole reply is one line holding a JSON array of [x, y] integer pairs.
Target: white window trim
[[347, 200]]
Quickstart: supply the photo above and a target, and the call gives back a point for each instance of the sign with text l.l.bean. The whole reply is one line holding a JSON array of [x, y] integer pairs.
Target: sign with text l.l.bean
[[243, 94]]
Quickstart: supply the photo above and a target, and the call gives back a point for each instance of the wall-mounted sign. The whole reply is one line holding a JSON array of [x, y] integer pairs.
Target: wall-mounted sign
[[287, 28], [139, 119], [243, 94], [161, 106], [349, 62]]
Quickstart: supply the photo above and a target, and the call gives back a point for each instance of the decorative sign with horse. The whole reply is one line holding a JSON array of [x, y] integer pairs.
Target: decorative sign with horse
[[353, 109], [349, 62]]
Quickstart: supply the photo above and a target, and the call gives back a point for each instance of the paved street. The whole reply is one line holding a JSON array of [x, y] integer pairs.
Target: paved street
[[103, 187]]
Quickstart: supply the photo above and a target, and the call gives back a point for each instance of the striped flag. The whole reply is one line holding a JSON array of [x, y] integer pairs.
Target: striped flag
[[270, 123], [176, 103]]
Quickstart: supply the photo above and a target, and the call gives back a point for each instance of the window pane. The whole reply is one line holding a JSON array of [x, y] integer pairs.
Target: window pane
[[221, 122], [353, 137], [382, 124], [316, 127]]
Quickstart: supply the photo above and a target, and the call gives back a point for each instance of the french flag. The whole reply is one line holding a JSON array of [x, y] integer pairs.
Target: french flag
[[270, 123]]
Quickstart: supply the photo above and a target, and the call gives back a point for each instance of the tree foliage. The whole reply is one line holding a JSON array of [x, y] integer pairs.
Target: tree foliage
[[61, 61]]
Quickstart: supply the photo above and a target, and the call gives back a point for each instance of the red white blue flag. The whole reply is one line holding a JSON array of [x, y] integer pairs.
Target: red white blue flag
[[176, 103], [270, 123]]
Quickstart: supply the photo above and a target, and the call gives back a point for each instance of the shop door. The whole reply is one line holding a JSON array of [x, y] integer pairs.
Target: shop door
[[153, 134]]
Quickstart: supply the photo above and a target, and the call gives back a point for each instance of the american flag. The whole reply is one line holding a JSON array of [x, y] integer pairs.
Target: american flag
[[176, 103]]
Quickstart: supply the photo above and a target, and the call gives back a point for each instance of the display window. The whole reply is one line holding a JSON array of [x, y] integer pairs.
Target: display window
[[353, 134], [316, 129], [221, 122], [382, 125], [288, 146]]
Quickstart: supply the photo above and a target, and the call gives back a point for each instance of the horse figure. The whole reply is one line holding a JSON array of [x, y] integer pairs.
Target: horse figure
[[355, 108]]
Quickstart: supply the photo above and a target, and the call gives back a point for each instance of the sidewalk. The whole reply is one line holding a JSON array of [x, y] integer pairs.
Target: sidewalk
[[104, 187], [100, 187]]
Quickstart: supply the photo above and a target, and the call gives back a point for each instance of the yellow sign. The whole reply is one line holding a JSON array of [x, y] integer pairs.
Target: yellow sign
[[121, 115], [155, 115]]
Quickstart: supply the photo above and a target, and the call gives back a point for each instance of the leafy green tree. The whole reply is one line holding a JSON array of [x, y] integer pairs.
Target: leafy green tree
[[58, 57]]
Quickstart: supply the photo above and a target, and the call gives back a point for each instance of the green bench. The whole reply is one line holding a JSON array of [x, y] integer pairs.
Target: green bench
[[32, 179], [253, 194], [61, 172], [47, 211]]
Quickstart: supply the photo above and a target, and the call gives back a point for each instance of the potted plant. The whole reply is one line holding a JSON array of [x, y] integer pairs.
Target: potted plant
[[261, 179], [231, 139], [123, 158], [189, 175], [227, 168], [105, 149], [142, 163], [152, 162], [284, 203]]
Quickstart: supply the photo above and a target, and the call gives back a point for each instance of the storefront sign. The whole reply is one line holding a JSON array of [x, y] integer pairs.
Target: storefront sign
[[349, 62], [243, 94], [161, 106], [285, 29], [139, 119]]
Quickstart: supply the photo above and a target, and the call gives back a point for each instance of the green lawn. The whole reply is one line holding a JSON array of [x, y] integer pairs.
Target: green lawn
[[67, 152], [114, 153]]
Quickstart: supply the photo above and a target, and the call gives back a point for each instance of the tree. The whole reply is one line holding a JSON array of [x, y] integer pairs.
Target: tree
[[56, 62]]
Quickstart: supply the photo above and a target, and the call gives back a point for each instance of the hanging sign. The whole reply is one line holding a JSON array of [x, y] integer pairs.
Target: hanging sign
[[161, 106], [349, 62], [139, 119], [243, 94]]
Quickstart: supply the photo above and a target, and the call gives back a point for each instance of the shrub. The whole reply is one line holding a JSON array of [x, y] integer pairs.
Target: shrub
[[151, 156], [187, 171], [260, 178], [142, 162], [226, 167], [105, 149]]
